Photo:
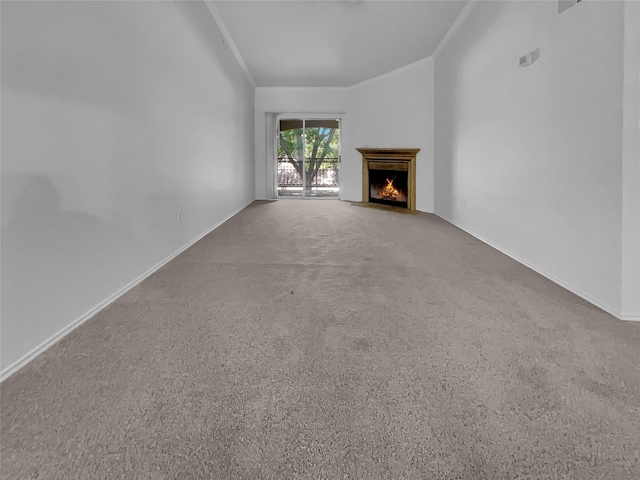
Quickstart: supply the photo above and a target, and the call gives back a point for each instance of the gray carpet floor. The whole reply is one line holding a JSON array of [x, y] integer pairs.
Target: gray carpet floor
[[320, 340]]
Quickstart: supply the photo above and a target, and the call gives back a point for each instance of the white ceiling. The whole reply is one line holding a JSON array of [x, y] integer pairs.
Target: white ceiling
[[333, 43]]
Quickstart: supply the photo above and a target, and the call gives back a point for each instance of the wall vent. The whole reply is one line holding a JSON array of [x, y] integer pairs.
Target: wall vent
[[564, 5]]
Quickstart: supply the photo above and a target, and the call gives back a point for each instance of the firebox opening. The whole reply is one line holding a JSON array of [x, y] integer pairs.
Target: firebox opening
[[388, 187]]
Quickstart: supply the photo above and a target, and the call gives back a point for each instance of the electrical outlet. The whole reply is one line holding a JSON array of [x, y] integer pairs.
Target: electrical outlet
[[535, 55], [530, 57]]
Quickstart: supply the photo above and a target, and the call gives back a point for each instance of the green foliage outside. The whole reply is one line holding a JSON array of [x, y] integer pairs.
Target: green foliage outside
[[317, 143]]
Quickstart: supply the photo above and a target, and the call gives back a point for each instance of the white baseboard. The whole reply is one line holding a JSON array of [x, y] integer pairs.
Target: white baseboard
[[610, 310], [17, 365]]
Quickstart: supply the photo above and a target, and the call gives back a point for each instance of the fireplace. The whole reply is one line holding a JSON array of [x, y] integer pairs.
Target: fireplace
[[388, 187], [388, 176]]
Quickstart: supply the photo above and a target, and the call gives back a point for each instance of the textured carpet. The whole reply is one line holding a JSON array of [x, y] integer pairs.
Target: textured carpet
[[315, 339]]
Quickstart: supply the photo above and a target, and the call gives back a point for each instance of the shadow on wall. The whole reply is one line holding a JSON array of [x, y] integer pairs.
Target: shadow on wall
[[53, 260]]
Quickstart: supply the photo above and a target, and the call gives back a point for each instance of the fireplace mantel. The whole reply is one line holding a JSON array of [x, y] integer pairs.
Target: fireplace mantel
[[400, 159]]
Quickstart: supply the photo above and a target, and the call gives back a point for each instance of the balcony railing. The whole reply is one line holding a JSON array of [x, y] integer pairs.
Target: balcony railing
[[327, 175]]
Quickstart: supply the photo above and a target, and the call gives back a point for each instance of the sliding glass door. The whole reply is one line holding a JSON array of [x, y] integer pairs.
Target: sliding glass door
[[308, 158]]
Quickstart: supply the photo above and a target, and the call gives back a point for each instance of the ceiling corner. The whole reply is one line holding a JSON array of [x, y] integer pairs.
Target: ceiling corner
[[454, 27]]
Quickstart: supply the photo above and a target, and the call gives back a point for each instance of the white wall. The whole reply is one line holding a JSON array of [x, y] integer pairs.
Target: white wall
[[393, 110], [301, 101], [631, 165], [115, 117], [529, 159]]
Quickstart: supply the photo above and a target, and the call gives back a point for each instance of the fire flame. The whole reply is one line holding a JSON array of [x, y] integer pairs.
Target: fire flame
[[389, 191]]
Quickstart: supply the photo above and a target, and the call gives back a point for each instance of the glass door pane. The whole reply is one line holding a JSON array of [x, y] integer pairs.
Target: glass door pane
[[322, 158], [291, 158]]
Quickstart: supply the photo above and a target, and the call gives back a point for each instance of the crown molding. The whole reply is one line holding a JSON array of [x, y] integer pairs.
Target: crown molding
[[404, 68], [227, 36], [462, 16]]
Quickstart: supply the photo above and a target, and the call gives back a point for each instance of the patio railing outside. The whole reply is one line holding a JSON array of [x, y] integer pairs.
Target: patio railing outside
[[325, 177]]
